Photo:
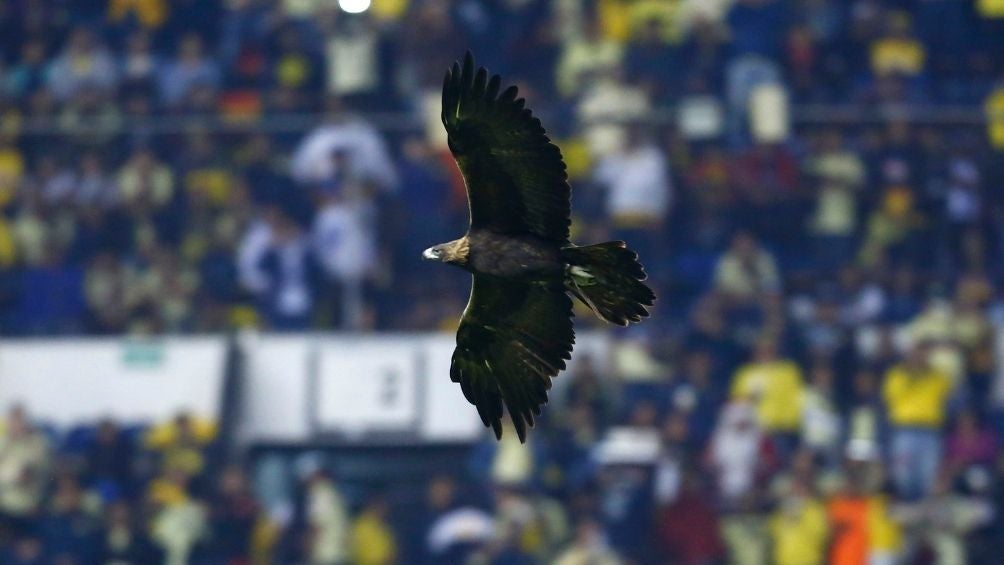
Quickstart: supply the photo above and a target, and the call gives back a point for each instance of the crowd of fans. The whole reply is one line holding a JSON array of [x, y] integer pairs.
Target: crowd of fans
[[813, 186]]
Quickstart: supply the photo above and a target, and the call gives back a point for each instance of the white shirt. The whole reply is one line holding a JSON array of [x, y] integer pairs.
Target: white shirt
[[344, 241], [253, 246], [637, 182], [366, 149]]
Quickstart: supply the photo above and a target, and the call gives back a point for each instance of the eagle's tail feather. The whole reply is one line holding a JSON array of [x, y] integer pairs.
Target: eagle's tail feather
[[607, 278]]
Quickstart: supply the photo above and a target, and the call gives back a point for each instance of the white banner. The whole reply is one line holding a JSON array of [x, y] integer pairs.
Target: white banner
[[367, 385], [69, 382], [360, 387], [295, 388]]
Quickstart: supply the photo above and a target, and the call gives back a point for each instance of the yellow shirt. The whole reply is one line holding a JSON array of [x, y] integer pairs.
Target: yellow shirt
[[8, 250], [622, 19], [614, 19], [776, 390], [666, 12], [163, 491], [917, 399], [11, 171], [167, 435], [800, 535], [372, 541], [892, 55], [995, 118], [214, 183], [883, 532], [389, 10], [149, 13], [990, 8]]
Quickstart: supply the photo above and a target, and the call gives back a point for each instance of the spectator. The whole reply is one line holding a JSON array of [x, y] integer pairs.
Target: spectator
[[290, 273], [774, 386], [746, 270], [432, 37], [916, 399], [847, 512], [150, 15], [512, 463], [627, 509], [145, 184], [182, 443], [368, 159], [645, 60], [738, 454], [605, 112], [698, 397], [587, 387], [688, 528], [24, 464], [970, 442], [28, 75], [947, 518], [373, 541], [840, 174], [71, 525], [862, 526], [799, 528], [233, 516], [110, 457], [178, 523], [588, 547], [865, 414], [82, 64], [296, 68], [344, 239], [189, 70], [821, 423], [95, 187], [327, 519], [639, 193], [26, 550], [585, 57], [123, 540], [455, 531], [140, 65], [756, 26], [898, 51]]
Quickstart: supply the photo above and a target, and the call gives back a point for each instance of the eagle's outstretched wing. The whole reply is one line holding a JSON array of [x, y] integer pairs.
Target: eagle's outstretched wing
[[516, 180], [513, 338]]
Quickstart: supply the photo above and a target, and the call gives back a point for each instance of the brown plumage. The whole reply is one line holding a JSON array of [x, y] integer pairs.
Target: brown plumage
[[516, 332]]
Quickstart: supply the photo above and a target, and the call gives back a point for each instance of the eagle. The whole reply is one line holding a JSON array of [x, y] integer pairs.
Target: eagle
[[516, 332]]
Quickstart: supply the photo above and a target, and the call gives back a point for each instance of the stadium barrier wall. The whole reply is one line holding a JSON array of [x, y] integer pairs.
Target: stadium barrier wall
[[378, 388], [286, 389], [67, 382]]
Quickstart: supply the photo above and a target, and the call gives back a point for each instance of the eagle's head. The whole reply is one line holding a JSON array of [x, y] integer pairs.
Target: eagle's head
[[454, 252]]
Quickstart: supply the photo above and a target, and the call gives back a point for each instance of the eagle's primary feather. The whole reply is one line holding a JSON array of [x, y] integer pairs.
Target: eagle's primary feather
[[516, 180]]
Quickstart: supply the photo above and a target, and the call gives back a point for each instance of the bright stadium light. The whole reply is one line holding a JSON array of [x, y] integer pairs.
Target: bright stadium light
[[354, 6]]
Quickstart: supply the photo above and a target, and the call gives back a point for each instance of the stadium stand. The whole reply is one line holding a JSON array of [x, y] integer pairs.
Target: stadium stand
[[814, 185]]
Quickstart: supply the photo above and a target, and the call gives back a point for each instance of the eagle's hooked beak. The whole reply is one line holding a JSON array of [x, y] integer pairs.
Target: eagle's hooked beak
[[430, 254]]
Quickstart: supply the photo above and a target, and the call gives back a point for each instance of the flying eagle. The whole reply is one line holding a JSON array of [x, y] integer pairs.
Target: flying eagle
[[516, 331]]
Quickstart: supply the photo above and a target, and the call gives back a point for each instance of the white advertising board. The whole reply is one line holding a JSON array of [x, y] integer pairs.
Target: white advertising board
[[69, 382], [367, 385]]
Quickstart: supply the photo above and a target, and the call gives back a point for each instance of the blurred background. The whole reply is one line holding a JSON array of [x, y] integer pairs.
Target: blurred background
[[220, 345]]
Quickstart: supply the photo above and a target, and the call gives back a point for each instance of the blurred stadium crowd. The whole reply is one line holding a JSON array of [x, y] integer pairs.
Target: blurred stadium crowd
[[812, 184]]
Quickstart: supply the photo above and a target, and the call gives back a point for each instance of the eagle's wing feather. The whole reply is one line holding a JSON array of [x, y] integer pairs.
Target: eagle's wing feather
[[516, 180], [513, 338]]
